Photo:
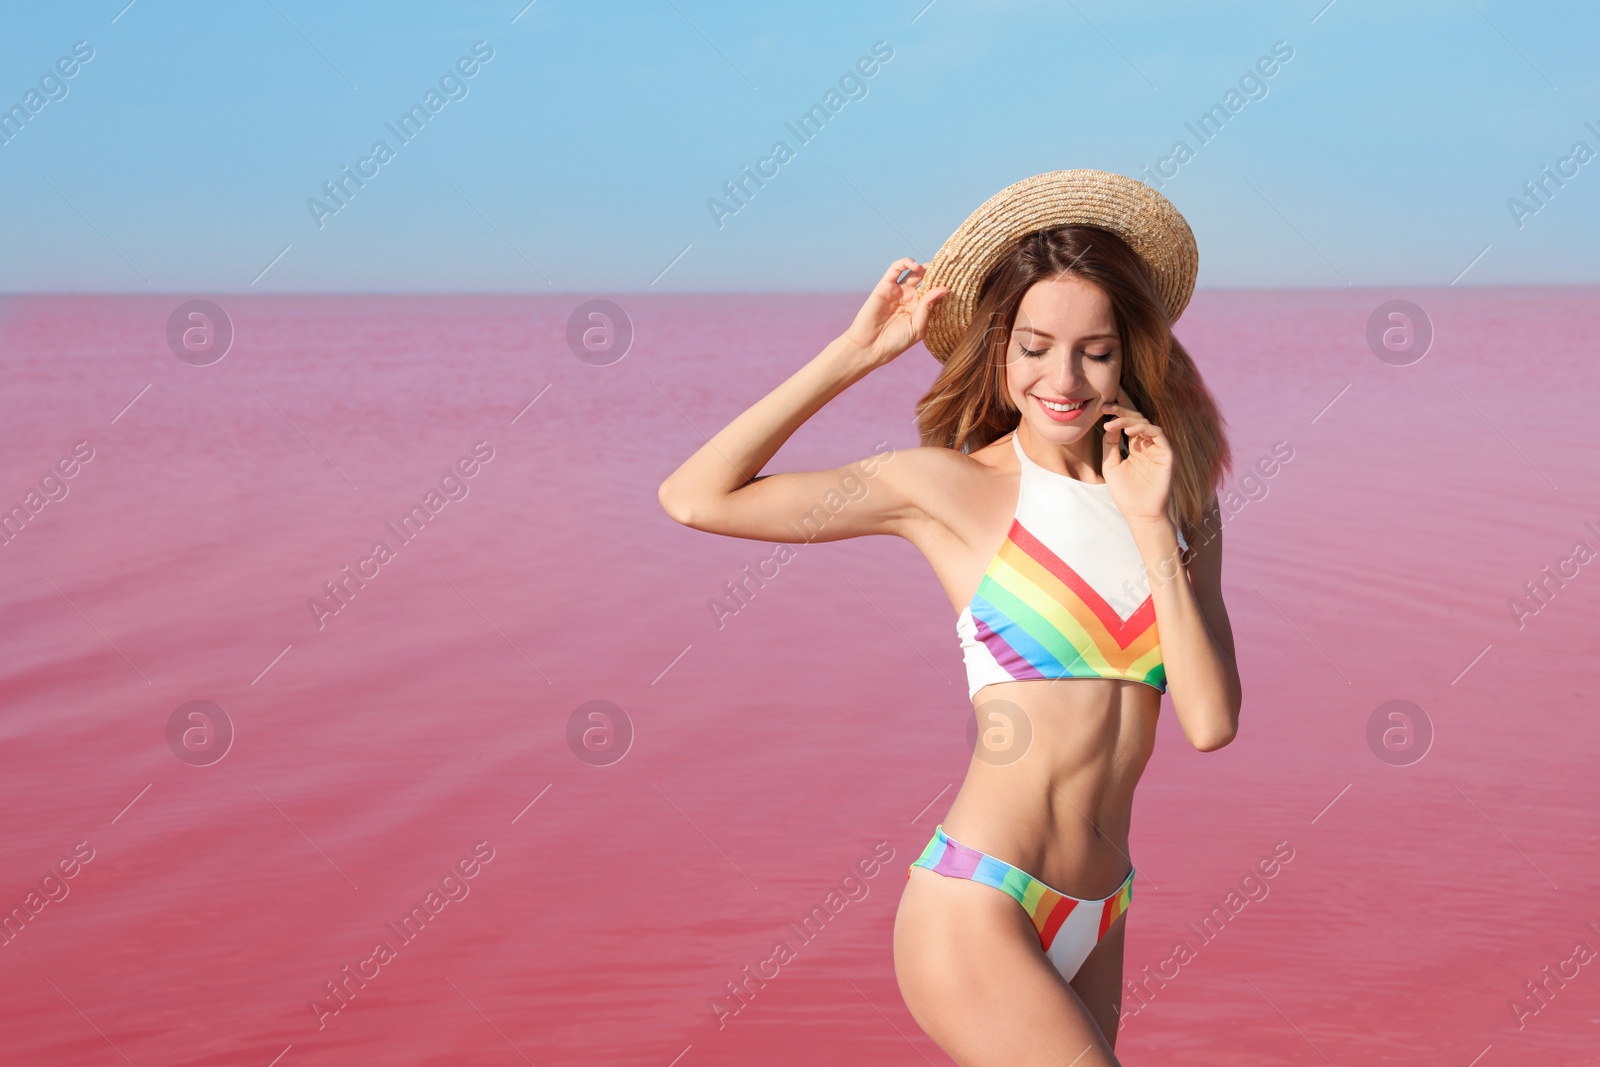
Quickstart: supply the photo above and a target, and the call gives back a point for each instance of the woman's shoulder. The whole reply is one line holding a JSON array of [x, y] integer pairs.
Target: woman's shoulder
[[957, 498], [953, 492], [940, 465]]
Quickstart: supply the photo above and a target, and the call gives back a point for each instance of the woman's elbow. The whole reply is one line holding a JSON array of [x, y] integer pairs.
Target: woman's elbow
[[1214, 739], [1215, 730], [674, 504]]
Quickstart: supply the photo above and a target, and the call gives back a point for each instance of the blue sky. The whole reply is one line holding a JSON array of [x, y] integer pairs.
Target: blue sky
[[583, 154]]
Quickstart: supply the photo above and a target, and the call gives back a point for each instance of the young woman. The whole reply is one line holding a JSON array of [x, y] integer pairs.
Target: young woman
[[1065, 496]]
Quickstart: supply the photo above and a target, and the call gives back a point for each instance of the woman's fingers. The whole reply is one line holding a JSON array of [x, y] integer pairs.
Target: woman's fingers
[[896, 307], [895, 290], [1133, 426], [924, 308], [1142, 433], [901, 266], [1145, 437]]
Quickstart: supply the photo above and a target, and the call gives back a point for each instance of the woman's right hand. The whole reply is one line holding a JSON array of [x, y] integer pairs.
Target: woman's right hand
[[895, 316]]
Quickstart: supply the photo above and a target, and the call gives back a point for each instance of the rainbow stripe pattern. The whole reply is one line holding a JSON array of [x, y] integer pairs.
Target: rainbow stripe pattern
[[1040, 619], [1068, 927], [1034, 615]]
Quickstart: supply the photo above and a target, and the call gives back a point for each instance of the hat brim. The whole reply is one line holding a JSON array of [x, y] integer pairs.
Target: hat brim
[[1142, 217]]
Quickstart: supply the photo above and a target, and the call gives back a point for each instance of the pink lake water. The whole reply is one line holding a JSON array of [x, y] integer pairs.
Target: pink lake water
[[425, 725]]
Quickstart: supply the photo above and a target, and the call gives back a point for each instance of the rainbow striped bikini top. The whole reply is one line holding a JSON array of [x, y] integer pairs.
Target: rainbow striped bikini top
[[1066, 596]]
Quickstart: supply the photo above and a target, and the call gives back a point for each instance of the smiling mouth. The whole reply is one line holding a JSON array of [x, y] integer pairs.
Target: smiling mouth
[[1054, 405]]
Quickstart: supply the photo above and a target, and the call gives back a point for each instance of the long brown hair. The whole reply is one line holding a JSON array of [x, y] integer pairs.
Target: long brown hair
[[968, 407]]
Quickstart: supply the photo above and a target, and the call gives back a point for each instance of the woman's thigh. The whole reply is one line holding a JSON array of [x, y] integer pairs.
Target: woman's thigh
[[1098, 982], [974, 977]]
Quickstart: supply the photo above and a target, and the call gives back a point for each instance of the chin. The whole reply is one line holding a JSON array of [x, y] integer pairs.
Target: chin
[[1055, 432]]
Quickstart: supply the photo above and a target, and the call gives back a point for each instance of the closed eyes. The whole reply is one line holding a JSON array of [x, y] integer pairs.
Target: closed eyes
[[1104, 357]]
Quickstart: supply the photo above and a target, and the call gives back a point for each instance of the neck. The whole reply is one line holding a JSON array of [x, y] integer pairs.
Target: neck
[[1078, 459]]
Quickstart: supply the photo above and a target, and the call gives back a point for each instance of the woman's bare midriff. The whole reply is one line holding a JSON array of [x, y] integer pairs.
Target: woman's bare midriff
[[1061, 811]]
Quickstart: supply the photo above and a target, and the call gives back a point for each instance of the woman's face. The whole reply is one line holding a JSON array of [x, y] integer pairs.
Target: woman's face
[[1064, 351]]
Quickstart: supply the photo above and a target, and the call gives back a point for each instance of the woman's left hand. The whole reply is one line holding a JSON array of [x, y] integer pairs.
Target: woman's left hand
[[1142, 483]]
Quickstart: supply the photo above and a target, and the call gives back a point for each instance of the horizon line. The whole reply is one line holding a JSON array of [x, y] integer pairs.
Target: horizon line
[[191, 292]]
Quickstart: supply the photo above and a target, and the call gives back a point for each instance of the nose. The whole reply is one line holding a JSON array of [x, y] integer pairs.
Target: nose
[[1063, 377]]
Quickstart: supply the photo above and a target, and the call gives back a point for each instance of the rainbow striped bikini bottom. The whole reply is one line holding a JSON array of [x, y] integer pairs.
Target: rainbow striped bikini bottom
[[1069, 928]]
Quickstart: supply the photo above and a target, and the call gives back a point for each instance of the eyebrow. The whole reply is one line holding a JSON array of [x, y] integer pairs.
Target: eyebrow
[[1050, 337]]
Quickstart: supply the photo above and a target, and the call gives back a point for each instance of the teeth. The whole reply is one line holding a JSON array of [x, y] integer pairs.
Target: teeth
[[1061, 407]]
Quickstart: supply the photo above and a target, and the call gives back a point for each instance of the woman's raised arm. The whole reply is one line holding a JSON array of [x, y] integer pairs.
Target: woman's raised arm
[[717, 488]]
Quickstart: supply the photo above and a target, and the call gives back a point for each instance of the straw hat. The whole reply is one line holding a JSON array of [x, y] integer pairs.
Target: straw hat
[[1137, 213]]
